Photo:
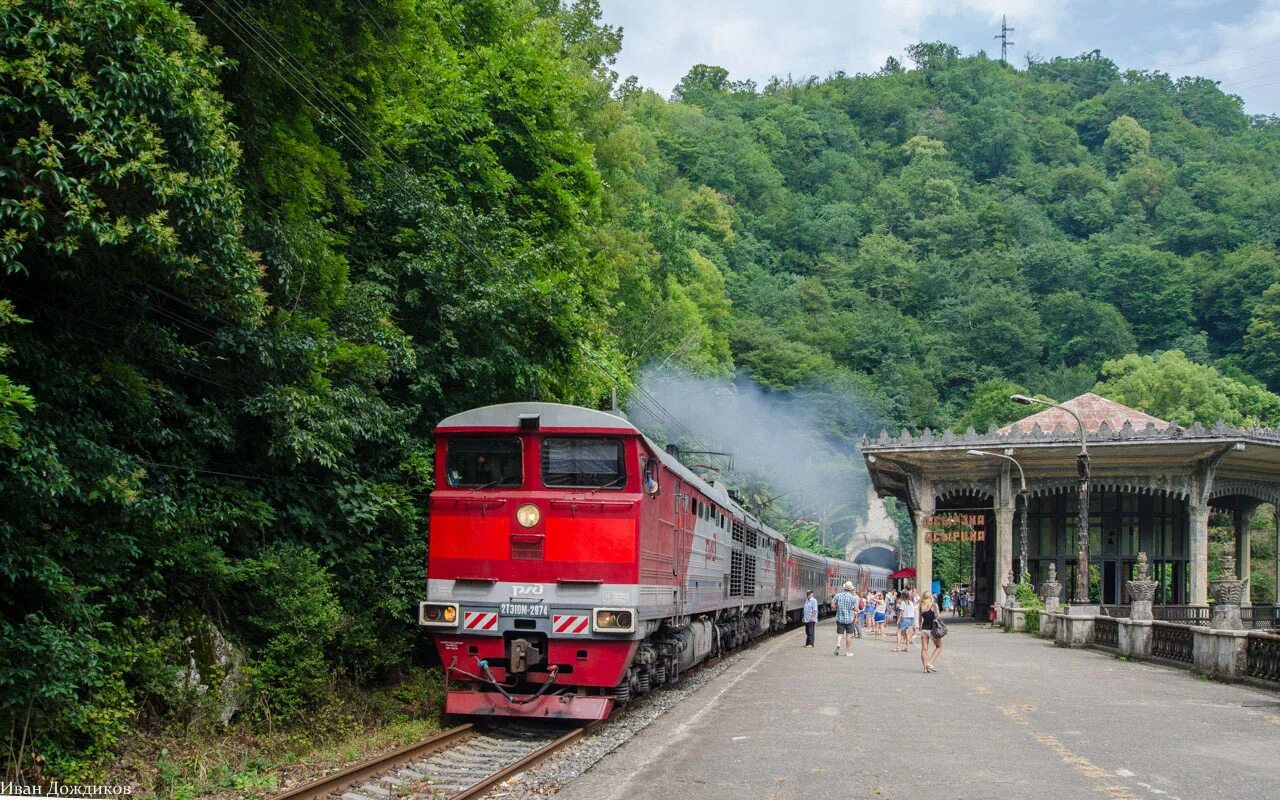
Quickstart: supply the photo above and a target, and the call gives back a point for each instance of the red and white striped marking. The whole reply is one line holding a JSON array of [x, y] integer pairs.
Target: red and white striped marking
[[479, 620], [569, 623]]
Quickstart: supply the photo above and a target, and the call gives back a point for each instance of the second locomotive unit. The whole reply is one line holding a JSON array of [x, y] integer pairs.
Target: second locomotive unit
[[574, 563]]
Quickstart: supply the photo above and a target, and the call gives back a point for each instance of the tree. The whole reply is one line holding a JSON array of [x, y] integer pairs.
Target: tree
[[1083, 331], [1262, 339], [1173, 388], [989, 404], [1126, 141], [1152, 289]]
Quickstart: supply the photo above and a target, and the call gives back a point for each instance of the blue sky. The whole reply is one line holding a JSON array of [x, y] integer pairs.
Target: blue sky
[[1235, 42]]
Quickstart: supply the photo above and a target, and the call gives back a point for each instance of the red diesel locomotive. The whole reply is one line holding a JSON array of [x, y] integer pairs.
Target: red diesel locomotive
[[574, 563]]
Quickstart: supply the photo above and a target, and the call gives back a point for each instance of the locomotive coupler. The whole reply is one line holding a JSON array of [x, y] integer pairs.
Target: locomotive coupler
[[524, 654]]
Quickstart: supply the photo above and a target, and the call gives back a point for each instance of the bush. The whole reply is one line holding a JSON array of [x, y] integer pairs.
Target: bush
[[1027, 597], [291, 613], [1033, 620]]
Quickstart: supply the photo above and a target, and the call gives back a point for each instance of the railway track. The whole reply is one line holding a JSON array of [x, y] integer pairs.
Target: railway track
[[457, 764]]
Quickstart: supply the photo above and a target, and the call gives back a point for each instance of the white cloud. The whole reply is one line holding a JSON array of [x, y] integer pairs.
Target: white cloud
[[1244, 57], [756, 39]]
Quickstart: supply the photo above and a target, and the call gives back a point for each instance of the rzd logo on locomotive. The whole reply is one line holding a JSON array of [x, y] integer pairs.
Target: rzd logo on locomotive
[[527, 590]]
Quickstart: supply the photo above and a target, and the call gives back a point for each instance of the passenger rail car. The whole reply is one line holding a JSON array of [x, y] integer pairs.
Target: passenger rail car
[[574, 563]]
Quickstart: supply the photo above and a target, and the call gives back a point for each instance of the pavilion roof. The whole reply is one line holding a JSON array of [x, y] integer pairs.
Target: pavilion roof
[[1094, 411], [1105, 421]]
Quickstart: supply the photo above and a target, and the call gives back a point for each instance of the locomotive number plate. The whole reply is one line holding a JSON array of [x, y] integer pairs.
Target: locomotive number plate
[[523, 610]]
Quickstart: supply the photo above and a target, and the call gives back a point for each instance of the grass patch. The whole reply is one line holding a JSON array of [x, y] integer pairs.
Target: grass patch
[[183, 764]]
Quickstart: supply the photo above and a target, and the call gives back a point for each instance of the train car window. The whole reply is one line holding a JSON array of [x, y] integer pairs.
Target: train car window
[[584, 463], [484, 461]]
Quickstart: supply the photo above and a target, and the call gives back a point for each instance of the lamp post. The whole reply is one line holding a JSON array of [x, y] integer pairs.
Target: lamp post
[[1082, 469], [1022, 494]]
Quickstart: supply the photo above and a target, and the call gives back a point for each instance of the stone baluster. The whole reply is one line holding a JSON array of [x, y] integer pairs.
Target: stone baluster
[[1142, 590], [1227, 593]]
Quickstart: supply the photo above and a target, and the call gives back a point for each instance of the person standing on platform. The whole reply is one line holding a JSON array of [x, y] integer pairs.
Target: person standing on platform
[[878, 618], [845, 604], [906, 621], [858, 605], [810, 618], [928, 616]]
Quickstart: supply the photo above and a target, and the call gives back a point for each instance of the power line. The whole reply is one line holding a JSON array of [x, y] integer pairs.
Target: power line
[[1171, 67]]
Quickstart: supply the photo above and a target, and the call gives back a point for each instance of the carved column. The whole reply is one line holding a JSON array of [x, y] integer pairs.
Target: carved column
[[923, 491], [1227, 592], [1004, 551], [1199, 563], [1243, 518]]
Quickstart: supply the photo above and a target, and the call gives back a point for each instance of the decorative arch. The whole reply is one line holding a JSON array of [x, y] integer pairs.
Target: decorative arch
[[1171, 486], [1261, 491], [951, 490]]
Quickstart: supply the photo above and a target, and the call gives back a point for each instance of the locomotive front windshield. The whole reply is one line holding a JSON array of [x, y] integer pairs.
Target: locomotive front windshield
[[583, 463], [482, 462]]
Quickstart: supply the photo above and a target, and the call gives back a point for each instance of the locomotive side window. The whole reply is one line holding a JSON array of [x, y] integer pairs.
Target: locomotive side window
[[475, 461], [584, 462]]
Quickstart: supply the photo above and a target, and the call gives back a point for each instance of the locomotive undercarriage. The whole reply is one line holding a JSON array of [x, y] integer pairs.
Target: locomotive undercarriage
[[674, 645], [681, 643]]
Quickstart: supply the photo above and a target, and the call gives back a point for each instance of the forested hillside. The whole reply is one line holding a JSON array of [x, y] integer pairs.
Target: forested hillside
[[921, 233], [250, 253]]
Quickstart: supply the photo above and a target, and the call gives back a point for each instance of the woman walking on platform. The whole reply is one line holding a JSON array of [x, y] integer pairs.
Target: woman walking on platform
[[928, 617]]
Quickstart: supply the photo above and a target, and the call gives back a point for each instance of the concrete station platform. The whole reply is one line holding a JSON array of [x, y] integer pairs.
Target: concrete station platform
[[1007, 716]]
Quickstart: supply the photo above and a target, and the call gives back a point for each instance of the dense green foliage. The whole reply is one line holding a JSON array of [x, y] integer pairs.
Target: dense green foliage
[[253, 286], [961, 230], [251, 253]]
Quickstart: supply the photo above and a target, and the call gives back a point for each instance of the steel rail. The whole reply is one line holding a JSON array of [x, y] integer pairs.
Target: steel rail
[[344, 778], [478, 789]]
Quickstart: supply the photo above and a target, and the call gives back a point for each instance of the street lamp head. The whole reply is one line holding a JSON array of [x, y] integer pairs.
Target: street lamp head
[[976, 453], [1022, 399]]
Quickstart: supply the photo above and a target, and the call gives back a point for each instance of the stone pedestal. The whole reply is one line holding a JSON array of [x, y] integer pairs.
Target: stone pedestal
[[1075, 626], [1017, 617], [1050, 589], [1135, 637], [1221, 653], [1228, 592], [1141, 591]]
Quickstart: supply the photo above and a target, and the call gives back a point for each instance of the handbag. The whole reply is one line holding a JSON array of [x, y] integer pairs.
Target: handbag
[[939, 629]]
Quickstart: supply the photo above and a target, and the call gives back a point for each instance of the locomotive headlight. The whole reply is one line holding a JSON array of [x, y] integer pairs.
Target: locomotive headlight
[[440, 615], [614, 620], [527, 515]]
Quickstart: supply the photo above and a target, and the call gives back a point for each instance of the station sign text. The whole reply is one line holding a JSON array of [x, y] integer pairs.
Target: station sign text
[[955, 528]]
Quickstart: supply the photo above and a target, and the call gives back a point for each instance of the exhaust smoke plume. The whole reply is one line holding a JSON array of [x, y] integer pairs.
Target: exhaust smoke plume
[[799, 448]]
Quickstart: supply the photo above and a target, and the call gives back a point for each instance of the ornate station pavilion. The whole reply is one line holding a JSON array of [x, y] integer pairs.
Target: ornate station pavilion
[[1153, 485]]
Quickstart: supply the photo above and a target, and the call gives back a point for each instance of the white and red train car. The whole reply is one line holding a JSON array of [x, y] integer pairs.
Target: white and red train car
[[573, 564]]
